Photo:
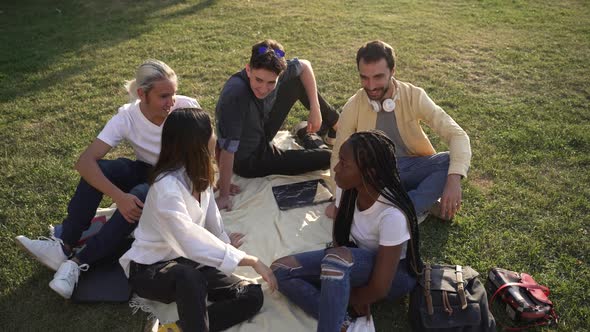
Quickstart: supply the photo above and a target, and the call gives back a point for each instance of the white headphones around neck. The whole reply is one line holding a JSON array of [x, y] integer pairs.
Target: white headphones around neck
[[388, 105]]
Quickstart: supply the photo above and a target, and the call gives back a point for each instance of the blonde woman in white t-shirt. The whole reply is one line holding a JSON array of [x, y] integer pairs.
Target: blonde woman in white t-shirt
[[375, 249], [153, 97]]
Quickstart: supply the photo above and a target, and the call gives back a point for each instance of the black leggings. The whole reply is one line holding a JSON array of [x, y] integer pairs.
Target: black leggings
[[190, 285]]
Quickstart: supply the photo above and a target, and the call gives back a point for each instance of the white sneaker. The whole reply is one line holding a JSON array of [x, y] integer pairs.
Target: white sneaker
[[65, 279], [46, 250], [51, 230]]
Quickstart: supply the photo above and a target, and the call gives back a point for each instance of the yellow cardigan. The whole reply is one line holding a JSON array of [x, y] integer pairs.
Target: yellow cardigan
[[413, 106]]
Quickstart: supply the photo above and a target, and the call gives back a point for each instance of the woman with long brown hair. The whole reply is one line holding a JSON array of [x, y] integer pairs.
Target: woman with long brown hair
[[181, 251]]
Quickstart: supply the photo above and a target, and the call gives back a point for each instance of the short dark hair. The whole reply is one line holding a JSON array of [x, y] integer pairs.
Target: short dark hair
[[264, 56], [374, 51], [185, 144]]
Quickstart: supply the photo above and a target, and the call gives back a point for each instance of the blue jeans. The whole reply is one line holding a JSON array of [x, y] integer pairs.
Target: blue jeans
[[319, 282], [129, 176], [424, 178]]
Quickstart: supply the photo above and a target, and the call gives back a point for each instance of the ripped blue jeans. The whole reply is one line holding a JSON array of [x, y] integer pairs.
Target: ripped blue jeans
[[319, 282]]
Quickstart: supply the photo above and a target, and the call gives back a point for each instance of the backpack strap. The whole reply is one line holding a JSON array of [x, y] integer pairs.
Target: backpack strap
[[460, 286], [427, 295]]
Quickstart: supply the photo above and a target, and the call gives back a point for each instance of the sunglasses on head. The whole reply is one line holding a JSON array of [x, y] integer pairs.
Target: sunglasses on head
[[265, 49]]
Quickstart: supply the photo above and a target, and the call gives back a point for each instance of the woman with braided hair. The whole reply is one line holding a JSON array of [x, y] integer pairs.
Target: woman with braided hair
[[375, 240]]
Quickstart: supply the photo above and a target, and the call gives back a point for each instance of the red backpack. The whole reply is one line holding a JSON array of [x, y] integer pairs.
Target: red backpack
[[525, 300]]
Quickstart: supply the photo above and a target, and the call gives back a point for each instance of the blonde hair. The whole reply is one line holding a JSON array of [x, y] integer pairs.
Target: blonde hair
[[147, 74]]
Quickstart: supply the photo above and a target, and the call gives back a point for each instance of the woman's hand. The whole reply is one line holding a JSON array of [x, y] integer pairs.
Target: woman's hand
[[236, 239], [362, 310], [266, 273]]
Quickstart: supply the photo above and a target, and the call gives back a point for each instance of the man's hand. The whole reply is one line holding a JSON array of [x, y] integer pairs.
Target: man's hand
[[314, 120], [236, 239], [450, 201], [130, 207], [234, 189], [223, 202]]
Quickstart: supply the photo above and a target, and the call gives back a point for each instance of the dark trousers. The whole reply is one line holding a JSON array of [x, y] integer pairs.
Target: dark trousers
[[190, 285], [268, 159], [129, 176]]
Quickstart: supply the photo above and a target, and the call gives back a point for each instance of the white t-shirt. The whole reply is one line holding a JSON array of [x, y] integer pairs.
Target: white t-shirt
[[381, 224], [144, 136], [174, 224]]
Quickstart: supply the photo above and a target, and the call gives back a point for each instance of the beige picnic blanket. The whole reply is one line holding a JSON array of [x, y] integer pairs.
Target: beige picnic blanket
[[270, 234]]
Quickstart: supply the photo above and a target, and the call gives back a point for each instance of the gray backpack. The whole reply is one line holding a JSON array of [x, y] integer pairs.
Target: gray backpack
[[450, 298]]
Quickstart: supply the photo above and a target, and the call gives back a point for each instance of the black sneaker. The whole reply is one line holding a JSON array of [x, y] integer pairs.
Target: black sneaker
[[307, 140], [328, 134]]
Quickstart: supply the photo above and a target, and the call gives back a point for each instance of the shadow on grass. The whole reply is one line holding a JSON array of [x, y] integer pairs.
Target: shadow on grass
[[36, 35], [434, 235], [393, 316], [33, 306]]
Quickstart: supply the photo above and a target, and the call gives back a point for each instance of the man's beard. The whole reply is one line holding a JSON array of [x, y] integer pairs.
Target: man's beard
[[382, 94]]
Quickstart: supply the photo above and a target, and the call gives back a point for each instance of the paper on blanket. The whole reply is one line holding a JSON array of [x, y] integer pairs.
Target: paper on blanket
[[300, 194]]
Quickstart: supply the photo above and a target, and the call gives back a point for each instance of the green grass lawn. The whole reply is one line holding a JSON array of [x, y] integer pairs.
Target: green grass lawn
[[514, 74]]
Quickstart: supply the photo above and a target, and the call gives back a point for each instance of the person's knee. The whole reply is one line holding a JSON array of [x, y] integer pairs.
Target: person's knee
[[287, 262], [140, 191], [282, 266], [341, 255], [110, 167], [336, 261], [252, 296], [443, 158]]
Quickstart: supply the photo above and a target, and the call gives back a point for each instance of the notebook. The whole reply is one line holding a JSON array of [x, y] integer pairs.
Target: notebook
[[299, 194]]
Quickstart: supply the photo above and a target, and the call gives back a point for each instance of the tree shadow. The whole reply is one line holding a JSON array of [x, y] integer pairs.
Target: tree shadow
[[434, 235], [36, 35], [33, 306]]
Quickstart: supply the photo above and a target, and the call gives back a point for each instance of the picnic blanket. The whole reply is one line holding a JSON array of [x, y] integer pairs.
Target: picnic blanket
[[270, 234]]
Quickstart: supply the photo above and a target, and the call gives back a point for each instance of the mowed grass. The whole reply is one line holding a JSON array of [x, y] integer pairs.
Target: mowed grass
[[513, 74]]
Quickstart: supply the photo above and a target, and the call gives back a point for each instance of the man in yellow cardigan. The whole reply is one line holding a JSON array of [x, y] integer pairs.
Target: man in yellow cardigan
[[398, 109]]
